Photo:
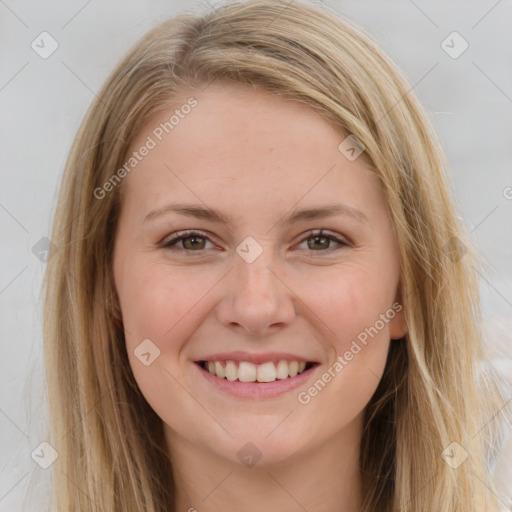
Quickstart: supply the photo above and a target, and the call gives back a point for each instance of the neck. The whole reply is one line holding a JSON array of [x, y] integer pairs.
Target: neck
[[323, 478]]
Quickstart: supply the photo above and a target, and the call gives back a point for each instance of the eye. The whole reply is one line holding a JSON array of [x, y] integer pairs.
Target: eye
[[191, 241], [195, 241], [318, 241]]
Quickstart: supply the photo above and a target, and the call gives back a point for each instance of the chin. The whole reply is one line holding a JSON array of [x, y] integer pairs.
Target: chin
[[261, 451]]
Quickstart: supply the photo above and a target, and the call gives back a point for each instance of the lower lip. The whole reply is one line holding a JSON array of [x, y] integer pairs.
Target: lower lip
[[257, 389]]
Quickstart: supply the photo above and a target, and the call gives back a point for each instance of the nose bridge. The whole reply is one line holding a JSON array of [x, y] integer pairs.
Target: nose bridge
[[253, 274], [256, 298]]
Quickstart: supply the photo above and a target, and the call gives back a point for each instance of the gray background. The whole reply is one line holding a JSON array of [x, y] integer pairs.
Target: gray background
[[43, 100]]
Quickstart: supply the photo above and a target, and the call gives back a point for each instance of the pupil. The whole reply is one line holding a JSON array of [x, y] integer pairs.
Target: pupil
[[316, 240], [194, 241]]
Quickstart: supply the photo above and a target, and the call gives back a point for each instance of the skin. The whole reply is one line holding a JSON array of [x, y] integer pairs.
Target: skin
[[256, 157]]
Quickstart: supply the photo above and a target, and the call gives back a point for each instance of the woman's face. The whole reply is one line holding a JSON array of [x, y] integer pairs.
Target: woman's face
[[255, 177]]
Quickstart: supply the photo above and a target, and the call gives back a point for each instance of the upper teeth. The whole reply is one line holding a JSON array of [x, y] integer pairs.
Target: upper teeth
[[249, 372]]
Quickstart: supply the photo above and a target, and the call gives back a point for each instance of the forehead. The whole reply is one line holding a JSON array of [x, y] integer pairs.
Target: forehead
[[240, 141], [225, 112]]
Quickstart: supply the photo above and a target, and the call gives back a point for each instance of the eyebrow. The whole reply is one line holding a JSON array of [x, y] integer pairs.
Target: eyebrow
[[199, 211]]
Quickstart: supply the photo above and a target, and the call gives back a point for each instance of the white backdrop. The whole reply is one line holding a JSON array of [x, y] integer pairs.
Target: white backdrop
[[48, 80]]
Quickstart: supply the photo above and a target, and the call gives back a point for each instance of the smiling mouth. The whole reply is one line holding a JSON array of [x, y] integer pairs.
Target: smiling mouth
[[244, 371]]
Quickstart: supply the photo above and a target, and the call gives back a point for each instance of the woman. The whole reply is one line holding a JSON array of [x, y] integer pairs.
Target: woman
[[264, 299]]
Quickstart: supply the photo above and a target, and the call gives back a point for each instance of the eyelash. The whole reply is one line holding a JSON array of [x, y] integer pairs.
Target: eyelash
[[183, 235]]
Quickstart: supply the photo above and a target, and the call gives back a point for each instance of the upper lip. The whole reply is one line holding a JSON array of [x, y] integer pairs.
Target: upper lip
[[254, 358]]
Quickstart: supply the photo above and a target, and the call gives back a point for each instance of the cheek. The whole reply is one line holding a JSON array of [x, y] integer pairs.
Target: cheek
[[357, 360], [349, 302], [163, 307], [350, 305], [157, 303], [356, 314]]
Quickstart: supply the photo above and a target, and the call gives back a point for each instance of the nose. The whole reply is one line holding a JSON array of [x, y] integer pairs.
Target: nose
[[257, 300]]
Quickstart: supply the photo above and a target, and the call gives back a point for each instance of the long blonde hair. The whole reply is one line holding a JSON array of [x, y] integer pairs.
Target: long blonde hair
[[435, 390]]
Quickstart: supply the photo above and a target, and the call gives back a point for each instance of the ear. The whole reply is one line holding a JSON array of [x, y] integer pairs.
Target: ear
[[398, 325]]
